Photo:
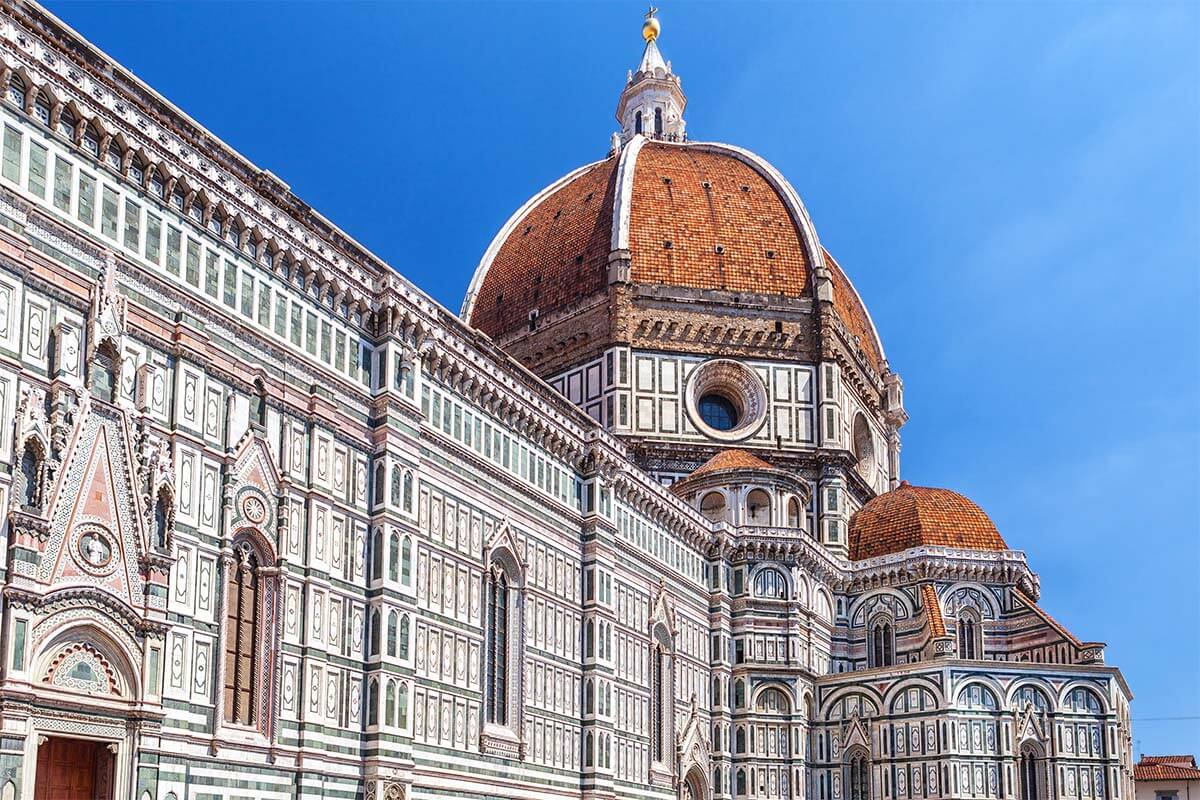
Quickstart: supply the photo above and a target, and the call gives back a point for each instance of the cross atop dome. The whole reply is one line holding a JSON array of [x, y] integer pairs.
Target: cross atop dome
[[652, 101]]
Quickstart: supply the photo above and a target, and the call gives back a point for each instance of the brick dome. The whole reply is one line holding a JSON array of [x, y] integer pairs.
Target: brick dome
[[690, 215], [920, 516]]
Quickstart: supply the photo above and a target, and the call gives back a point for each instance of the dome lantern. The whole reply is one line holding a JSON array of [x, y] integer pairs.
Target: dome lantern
[[652, 101]]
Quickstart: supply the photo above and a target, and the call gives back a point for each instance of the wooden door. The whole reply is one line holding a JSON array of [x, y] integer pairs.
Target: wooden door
[[73, 769]]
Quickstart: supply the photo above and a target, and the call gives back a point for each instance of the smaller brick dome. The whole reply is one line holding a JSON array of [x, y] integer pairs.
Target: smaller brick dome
[[920, 516]]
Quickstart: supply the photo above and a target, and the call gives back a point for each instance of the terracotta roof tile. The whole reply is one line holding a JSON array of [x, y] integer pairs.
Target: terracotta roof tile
[[700, 200], [1164, 772], [1049, 620], [730, 459], [915, 516], [1175, 761], [696, 199], [933, 610], [555, 256], [852, 313]]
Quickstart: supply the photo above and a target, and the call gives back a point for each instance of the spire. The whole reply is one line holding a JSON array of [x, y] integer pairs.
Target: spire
[[652, 101]]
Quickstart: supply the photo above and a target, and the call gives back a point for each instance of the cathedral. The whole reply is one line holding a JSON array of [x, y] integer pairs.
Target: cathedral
[[277, 525]]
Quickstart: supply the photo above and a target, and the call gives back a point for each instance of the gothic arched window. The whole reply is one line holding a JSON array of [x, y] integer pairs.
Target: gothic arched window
[[17, 92], [882, 644], [969, 636], [391, 633], [377, 555], [402, 706], [374, 633], [395, 486], [403, 650], [1028, 773], [662, 686], [408, 491], [394, 557], [637, 120], [373, 702], [243, 635], [406, 562], [858, 776], [389, 706], [498, 602], [503, 613]]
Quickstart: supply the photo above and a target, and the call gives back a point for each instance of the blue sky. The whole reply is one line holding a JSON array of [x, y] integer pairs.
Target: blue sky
[[1013, 187]]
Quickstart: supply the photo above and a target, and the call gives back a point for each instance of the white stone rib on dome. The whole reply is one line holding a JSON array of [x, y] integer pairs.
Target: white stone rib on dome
[[623, 200]]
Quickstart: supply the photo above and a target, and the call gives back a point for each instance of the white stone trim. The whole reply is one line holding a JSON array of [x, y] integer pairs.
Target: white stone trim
[[623, 194]]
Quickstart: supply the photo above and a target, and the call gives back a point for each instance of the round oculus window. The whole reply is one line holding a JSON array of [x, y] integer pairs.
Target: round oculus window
[[725, 400], [718, 412]]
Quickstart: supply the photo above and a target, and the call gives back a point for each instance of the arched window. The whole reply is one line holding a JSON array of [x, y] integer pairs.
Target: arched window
[[589, 697], [104, 372], [41, 108], [758, 508], [395, 486], [17, 92], [588, 750], [91, 140], [389, 703], [712, 505], [373, 702], [637, 118], [391, 635], [770, 583], [406, 562], [497, 648], [794, 513], [1029, 772], [402, 706], [408, 491], [31, 476], [741, 783], [66, 124], [377, 555], [660, 680], [377, 489], [858, 776], [243, 607], [374, 634], [658, 122], [404, 637], [739, 693], [394, 557], [882, 649], [969, 645], [740, 740], [662, 693], [503, 614], [864, 447]]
